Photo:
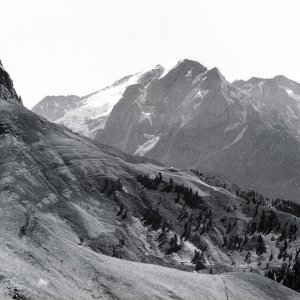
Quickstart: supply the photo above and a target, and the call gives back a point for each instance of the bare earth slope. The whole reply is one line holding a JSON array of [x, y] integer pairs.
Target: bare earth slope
[[69, 271]]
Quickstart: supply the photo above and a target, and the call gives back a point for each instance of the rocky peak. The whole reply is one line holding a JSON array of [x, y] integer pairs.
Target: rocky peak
[[214, 78], [190, 67]]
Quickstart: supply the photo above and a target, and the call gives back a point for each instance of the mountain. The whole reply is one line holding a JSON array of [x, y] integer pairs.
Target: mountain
[[193, 118], [69, 203], [278, 98], [87, 115], [55, 107], [187, 116]]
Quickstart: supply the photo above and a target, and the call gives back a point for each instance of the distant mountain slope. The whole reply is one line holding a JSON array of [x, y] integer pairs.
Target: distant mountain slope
[[55, 107], [66, 201], [278, 98]]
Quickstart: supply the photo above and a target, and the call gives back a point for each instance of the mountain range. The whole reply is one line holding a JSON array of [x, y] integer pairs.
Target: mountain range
[[187, 116], [83, 220]]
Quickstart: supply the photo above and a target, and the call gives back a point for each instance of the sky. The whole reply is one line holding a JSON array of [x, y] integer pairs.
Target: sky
[[63, 47]]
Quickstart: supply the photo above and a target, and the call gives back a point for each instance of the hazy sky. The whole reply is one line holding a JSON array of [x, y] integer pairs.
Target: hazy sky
[[53, 47]]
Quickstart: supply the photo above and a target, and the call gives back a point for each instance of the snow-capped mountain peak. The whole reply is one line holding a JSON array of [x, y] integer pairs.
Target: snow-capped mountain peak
[[88, 115]]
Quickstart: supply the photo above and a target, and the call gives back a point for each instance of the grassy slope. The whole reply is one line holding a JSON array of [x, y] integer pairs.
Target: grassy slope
[[61, 269]]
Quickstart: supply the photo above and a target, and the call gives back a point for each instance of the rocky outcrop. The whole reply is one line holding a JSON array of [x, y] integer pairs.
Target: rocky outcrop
[[7, 90]]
